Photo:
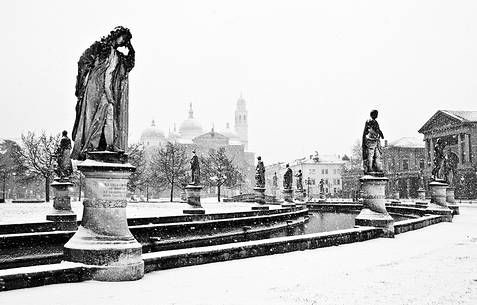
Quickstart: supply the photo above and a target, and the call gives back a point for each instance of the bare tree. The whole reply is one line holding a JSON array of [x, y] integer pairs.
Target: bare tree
[[169, 166], [11, 164], [218, 170], [39, 153], [142, 178]]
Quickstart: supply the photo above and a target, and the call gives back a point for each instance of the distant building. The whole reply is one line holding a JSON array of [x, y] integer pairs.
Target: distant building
[[458, 129], [403, 160], [314, 168], [192, 135]]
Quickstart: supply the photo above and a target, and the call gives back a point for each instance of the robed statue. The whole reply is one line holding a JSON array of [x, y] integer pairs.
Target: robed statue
[[195, 169], [260, 173], [299, 180], [371, 146], [439, 159], [449, 168], [275, 180], [102, 95], [64, 167], [322, 186], [288, 178]]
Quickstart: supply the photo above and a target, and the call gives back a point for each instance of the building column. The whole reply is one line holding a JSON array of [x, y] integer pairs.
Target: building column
[[467, 147], [431, 150], [459, 149]]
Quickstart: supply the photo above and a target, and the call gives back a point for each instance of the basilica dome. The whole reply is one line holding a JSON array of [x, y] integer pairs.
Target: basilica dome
[[152, 135], [190, 128], [234, 138]]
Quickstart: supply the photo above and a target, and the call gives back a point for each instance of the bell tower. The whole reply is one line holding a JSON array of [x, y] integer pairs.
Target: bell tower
[[241, 121]]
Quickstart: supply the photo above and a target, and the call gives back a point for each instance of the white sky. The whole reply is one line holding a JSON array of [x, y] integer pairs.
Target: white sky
[[310, 71]]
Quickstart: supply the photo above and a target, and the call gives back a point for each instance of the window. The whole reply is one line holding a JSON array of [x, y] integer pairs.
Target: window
[[405, 164], [312, 171], [324, 171]]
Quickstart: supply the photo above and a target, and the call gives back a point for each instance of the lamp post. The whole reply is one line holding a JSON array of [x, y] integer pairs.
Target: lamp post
[[308, 183]]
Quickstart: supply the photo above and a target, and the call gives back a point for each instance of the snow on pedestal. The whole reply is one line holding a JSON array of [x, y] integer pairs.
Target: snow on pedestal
[[438, 204], [62, 206], [193, 199], [288, 195], [259, 195], [374, 211], [103, 240]]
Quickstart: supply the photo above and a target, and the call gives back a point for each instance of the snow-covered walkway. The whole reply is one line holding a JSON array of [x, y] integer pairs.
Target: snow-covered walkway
[[434, 265]]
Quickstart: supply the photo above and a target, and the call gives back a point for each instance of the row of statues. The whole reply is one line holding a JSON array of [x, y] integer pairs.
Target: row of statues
[[101, 122]]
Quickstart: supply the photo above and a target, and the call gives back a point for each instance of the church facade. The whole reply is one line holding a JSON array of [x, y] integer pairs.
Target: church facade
[[458, 130], [192, 135]]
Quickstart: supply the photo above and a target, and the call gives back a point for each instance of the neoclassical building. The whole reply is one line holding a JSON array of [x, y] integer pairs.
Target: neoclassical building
[[192, 135], [403, 161], [314, 168], [458, 130]]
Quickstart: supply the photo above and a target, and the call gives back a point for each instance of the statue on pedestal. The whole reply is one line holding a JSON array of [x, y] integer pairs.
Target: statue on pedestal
[[371, 146], [439, 158], [421, 180], [260, 173], [299, 180], [195, 169], [288, 178], [275, 180], [64, 167], [101, 122], [322, 186]]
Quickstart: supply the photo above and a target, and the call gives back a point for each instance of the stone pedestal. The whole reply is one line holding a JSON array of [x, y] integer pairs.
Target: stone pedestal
[[193, 199], [374, 211], [103, 240], [61, 211], [421, 194], [450, 195], [193, 195], [438, 204], [259, 195], [300, 195], [288, 195]]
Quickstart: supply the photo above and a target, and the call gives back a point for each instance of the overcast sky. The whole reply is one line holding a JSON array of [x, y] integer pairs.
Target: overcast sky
[[310, 71]]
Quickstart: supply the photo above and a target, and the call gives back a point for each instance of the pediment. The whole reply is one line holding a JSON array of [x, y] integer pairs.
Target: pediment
[[440, 120], [211, 136]]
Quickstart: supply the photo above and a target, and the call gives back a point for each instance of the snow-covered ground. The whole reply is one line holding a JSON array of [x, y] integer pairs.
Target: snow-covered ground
[[434, 265], [36, 212]]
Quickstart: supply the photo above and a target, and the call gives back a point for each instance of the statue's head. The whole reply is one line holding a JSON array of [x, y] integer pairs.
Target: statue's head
[[288, 165], [193, 151], [64, 133], [259, 158], [374, 114], [118, 37], [299, 170]]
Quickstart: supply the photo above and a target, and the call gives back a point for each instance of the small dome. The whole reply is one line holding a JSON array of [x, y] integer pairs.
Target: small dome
[[232, 135], [152, 134], [190, 128]]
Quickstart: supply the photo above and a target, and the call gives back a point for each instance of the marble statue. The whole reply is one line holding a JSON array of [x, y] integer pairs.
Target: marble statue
[[322, 186], [64, 167], [439, 159], [275, 180], [449, 167], [371, 146], [299, 180], [421, 180], [260, 173], [288, 178], [195, 169], [102, 95]]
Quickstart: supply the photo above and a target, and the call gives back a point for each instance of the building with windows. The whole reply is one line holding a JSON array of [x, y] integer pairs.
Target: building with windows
[[403, 161], [191, 134], [314, 168], [458, 130]]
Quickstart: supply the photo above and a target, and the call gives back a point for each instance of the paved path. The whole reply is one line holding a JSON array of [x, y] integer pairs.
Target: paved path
[[434, 265]]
